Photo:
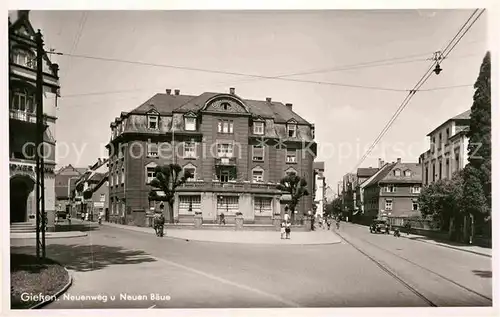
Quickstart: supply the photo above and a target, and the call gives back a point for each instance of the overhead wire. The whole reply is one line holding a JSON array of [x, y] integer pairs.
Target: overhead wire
[[444, 54]]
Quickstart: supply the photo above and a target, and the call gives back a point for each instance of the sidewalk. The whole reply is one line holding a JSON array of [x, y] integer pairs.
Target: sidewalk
[[242, 237], [451, 245]]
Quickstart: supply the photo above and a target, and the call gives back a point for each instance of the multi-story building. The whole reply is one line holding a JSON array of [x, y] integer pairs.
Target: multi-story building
[[362, 175], [319, 188], [66, 178], [91, 197], [392, 192], [237, 150], [348, 195], [448, 149], [22, 123]]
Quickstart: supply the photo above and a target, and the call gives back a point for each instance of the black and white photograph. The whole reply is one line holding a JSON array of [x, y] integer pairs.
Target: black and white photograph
[[249, 158]]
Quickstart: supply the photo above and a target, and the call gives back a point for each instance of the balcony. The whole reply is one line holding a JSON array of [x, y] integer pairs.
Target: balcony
[[25, 116], [245, 186], [225, 161]]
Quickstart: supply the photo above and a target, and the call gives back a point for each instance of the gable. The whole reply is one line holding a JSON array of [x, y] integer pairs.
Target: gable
[[190, 114], [225, 104], [189, 165], [292, 121], [152, 111]]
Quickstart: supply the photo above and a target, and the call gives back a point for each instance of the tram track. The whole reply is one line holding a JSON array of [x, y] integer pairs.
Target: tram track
[[405, 282]]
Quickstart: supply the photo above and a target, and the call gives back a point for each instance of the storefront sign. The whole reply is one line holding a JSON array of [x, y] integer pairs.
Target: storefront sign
[[28, 168]]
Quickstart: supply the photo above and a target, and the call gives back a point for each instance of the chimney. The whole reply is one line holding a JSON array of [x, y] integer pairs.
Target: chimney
[[177, 92], [289, 105], [399, 160], [380, 163], [23, 13], [269, 99], [231, 91], [169, 91]]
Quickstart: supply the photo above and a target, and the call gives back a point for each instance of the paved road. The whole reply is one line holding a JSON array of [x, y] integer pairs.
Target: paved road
[[188, 274]]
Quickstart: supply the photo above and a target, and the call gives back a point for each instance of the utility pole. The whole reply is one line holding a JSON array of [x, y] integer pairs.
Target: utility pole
[[40, 127]]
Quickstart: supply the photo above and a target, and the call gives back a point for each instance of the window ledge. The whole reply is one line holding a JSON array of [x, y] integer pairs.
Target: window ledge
[[254, 160], [190, 158]]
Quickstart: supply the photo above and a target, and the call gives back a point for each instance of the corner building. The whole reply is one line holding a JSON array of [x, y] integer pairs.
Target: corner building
[[237, 150]]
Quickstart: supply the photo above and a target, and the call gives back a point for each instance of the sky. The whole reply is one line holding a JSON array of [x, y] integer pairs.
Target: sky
[[267, 43]]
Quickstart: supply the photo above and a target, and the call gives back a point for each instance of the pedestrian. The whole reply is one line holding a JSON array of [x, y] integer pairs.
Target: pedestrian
[[69, 218], [282, 229], [288, 229], [222, 219], [328, 223]]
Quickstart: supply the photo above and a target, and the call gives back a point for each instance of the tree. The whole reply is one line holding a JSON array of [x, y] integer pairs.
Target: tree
[[334, 208], [441, 200], [167, 179], [296, 186], [478, 171]]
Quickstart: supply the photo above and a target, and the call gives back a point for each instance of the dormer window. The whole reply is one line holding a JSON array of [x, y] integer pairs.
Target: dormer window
[[291, 130], [258, 127], [397, 173], [407, 173], [190, 123], [153, 122]]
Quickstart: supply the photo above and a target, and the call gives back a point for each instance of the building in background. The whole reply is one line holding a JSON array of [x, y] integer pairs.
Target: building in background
[[22, 122], [348, 195], [392, 192], [237, 149], [362, 175], [91, 192], [319, 188], [65, 180], [448, 149]]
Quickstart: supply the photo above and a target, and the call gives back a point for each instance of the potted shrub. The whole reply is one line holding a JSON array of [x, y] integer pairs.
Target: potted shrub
[[198, 219], [239, 220]]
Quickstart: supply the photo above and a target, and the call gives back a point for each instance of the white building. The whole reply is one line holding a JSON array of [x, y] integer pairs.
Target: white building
[[22, 122], [320, 187], [448, 149]]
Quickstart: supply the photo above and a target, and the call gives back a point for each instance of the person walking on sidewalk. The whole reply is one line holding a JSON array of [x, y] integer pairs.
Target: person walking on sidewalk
[[288, 229], [282, 229]]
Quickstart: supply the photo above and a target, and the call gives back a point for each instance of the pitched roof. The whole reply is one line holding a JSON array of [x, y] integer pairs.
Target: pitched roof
[[319, 165], [381, 174], [415, 174], [366, 172], [463, 116], [166, 104]]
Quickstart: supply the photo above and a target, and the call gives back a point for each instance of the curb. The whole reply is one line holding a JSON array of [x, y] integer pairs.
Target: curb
[[81, 234], [58, 293], [227, 242], [451, 247], [438, 244]]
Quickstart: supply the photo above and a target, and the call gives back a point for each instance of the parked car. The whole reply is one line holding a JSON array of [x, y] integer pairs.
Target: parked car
[[61, 214], [379, 226]]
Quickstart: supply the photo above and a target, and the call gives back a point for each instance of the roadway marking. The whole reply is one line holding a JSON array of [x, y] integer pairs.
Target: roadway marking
[[152, 306], [228, 282]]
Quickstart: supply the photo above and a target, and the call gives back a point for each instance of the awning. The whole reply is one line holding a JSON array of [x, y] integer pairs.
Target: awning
[[286, 198]]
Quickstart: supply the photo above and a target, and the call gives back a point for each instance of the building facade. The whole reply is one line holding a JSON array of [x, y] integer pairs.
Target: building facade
[[362, 175], [348, 195], [392, 192], [65, 181], [448, 149], [22, 122], [319, 188], [236, 149], [91, 195]]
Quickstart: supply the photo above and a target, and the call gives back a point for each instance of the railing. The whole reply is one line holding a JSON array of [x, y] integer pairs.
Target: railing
[[230, 184], [25, 116], [229, 161]]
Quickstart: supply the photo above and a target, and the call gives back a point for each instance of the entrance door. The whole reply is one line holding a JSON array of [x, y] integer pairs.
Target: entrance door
[[20, 189]]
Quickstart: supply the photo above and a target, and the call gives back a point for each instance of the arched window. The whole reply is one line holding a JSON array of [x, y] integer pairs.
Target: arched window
[[23, 57]]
